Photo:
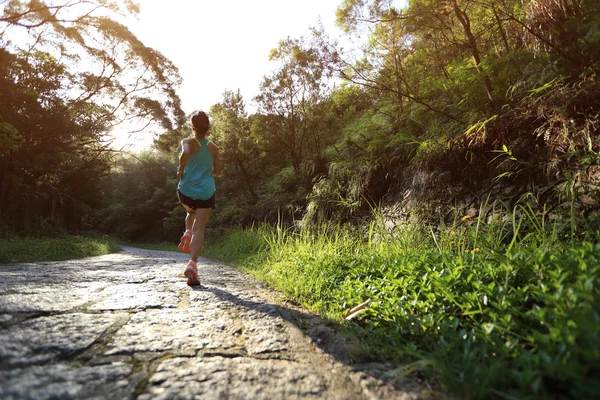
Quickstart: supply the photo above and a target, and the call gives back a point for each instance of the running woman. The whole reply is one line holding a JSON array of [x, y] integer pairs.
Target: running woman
[[198, 163]]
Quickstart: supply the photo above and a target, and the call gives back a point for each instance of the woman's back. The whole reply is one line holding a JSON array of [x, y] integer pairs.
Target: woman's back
[[197, 181]]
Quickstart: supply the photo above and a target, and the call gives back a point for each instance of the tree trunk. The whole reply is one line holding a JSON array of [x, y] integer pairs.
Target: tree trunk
[[501, 29], [28, 216], [466, 24], [3, 184]]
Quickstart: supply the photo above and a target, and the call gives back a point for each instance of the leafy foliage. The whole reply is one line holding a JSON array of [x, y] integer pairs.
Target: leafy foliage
[[70, 73], [438, 88], [140, 199]]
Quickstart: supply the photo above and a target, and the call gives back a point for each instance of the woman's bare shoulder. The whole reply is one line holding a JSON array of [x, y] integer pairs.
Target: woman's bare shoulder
[[212, 145], [189, 145]]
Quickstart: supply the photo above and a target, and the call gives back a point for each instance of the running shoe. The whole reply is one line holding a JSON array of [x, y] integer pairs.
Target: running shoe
[[191, 272], [184, 243]]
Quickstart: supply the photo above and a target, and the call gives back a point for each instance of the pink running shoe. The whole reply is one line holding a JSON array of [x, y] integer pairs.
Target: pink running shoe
[[184, 243], [191, 272]]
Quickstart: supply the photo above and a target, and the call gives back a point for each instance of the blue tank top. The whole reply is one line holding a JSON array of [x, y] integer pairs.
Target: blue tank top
[[198, 182]]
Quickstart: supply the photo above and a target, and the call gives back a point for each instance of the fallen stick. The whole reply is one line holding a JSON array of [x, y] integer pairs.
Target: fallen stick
[[356, 311]]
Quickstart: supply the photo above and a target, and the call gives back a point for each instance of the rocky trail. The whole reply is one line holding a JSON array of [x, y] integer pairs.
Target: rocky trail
[[126, 326]]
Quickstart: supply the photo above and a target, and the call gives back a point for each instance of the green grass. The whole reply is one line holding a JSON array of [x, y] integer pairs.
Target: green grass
[[236, 246], [506, 309], [32, 249]]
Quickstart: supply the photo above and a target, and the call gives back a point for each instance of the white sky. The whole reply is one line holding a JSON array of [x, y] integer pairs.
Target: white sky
[[219, 45], [222, 45]]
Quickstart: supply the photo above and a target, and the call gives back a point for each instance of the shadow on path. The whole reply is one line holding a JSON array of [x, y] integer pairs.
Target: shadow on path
[[322, 333]]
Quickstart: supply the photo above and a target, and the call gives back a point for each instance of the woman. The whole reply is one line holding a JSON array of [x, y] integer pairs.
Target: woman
[[198, 163]]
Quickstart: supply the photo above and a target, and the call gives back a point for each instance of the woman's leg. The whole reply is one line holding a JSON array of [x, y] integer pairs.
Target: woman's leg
[[184, 242], [189, 218], [188, 204], [200, 221]]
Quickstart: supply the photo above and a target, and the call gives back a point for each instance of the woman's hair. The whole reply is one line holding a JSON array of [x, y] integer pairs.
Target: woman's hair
[[200, 123]]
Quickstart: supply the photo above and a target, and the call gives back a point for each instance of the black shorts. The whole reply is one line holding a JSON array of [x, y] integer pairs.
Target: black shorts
[[194, 204]]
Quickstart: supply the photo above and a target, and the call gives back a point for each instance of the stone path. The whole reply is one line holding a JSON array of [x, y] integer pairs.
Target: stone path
[[126, 326]]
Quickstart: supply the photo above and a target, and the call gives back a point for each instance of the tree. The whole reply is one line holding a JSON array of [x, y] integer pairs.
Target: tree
[[153, 213], [291, 100], [70, 73], [108, 65], [386, 62], [239, 150]]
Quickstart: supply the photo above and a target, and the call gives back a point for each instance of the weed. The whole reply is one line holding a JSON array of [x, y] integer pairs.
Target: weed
[[497, 306]]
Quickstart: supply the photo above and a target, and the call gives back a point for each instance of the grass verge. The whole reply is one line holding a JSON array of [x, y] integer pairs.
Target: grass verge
[[31, 249], [506, 309]]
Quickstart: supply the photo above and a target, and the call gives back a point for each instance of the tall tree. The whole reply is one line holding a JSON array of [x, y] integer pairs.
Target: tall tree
[[70, 73], [240, 152], [384, 63], [107, 64], [290, 97]]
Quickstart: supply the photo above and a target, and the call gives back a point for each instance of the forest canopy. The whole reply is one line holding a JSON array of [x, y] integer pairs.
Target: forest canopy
[[70, 72], [439, 98]]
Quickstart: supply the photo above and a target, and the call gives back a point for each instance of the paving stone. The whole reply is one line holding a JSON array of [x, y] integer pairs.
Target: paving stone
[[64, 382], [178, 332], [137, 296], [241, 378], [52, 297], [265, 331], [43, 339]]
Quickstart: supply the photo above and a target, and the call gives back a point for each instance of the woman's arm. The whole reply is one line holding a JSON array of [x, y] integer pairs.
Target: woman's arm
[[183, 158]]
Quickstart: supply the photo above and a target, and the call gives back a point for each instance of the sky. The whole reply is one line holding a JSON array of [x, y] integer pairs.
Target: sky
[[224, 45]]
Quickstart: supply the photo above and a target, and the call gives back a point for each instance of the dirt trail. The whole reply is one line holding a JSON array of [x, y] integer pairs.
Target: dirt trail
[[126, 326]]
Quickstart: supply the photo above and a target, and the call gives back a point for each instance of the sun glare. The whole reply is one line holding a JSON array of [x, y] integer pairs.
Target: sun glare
[[220, 46]]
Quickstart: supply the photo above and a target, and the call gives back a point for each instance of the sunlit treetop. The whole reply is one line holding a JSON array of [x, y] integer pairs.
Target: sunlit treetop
[[106, 64]]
